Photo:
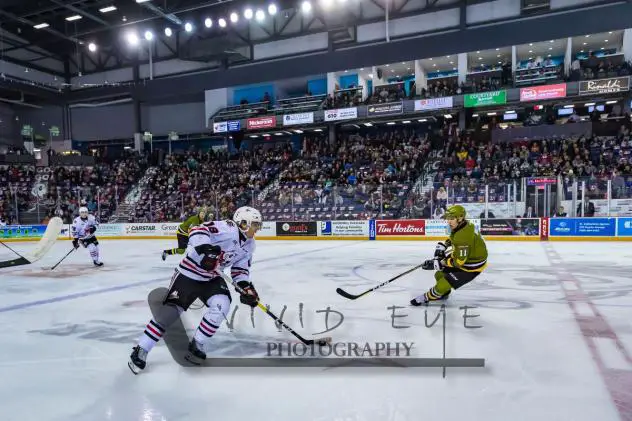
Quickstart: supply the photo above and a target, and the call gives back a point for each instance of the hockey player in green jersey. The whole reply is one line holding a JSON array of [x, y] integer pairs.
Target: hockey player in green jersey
[[457, 260], [183, 232]]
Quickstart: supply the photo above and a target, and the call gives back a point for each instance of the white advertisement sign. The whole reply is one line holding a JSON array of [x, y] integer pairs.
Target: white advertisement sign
[[168, 228], [141, 229], [300, 118], [110, 230], [434, 103], [436, 227], [268, 229], [341, 114], [221, 127], [343, 228]]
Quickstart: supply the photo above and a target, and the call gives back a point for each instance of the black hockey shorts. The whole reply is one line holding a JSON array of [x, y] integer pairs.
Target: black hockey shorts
[[183, 290], [183, 240], [91, 240], [457, 277]]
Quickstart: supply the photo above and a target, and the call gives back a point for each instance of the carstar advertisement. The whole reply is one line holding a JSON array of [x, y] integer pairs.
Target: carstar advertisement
[[141, 229], [406, 227]]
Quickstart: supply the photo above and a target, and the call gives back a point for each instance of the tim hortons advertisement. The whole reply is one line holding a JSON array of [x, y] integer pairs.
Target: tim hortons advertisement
[[341, 114], [604, 86], [400, 227], [297, 229], [261, 123], [539, 93]]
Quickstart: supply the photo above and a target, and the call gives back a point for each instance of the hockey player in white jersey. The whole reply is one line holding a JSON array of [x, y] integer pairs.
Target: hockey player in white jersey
[[212, 247], [83, 228]]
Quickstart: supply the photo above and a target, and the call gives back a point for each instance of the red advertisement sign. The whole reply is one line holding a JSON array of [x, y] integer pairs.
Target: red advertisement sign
[[539, 93], [544, 229], [401, 227], [261, 123]]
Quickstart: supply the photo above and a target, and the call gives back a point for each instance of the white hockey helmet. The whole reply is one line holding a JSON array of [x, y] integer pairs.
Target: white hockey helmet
[[245, 217], [83, 212]]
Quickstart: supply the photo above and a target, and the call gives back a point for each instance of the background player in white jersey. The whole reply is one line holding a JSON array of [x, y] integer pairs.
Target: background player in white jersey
[[83, 228], [213, 246]]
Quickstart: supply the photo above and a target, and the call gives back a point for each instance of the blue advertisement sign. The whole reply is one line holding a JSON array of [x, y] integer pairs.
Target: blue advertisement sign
[[22, 231], [624, 227], [371, 229], [325, 227], [582, 227], [234, 125]]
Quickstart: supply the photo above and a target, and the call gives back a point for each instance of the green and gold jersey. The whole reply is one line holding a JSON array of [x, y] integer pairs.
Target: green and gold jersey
[[191, 221], [469, 252]]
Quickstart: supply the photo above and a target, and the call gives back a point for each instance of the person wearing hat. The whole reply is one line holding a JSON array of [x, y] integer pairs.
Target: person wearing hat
[[183, 232], [457, 260]]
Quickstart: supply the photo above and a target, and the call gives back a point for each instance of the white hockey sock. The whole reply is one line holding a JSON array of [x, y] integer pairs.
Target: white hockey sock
[[94, 252], [154, 330], [218, 306]]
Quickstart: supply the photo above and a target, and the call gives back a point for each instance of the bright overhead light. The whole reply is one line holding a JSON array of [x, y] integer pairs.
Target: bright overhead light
[[550, 48], [318, 130], [451, 62], [500, 62], [549, 55], [208, 22], [422, 120], [368, 124], [497, 49], [278, 134], [569, 106], [298, 131], [498, 55], [306, 7], [75, 17], [602, 48], [428, 59], [149, 35], [589, 104], [92, 47], [41, 26], [234, 17], [480, 58], [248, 13], [253, 136], [168, 31], [587, 36], [260, 15], [447, 115], [222, 22], [605, 40], [188, 27], [611, 102], [510, 112], [406, 122], [390, 123], [132, 38], [530, 44], [585, 43], [474, 115], [491, 114], [272, 9], [434, 65], [408, 68], [326, 3], [107, 9], [141, 1], [581, 51], [478, 52]]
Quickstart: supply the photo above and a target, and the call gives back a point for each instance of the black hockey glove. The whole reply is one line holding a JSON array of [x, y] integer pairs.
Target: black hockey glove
[[440, 250], [432, 264], [212, 256], [75, 243], [250, 296], [92, 230]]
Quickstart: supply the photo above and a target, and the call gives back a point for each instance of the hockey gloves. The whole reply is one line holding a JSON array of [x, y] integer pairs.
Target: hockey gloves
[[432, 264], [250, 296], [440, 250], [212, 256], [75, 243]]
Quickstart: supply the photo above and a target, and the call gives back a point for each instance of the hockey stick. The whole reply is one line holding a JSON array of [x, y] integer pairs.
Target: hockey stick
[[320, 341], [12, 250], [355, 297], [62, 259]]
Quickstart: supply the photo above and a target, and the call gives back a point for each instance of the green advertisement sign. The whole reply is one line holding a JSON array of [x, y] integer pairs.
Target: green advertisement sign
[[483, 99]]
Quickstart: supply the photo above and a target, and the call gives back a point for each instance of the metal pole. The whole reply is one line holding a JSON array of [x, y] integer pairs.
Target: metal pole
[[151, 63], [431, 202], [486, 201], [387, 7], [574, 199], [15, 199], [39, 218], [609, 195], [292, 202], [583, 196], [515, 199], [99, 201]]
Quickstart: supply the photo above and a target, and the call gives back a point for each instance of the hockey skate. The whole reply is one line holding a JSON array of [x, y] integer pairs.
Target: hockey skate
[[426, 301], [97, 264], [196, 354], [137, 360], [164, 255]]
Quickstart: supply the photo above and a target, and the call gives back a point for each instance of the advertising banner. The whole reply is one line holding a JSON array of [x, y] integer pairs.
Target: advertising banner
[[582, 227], [341, 114], [261, 123], [544, 229], [168, 229], [234, 125], [482, 99], [391, 108], [540, 93], [300, 118], [297, 229], [400, 227], [518, 226], [434, 103], [436, 228], [372, 230], [23, 231], [344, 228], [604, 86], [541, 181], [624, 227], [221, 127], [140, 229], [268, 229], [110, 230]]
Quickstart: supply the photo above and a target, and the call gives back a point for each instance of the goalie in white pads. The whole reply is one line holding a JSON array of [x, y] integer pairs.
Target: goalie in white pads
[[212, 247], [83, 228]]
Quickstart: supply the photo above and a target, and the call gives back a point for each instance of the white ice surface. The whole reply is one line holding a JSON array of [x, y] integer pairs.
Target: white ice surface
[[65, 337]]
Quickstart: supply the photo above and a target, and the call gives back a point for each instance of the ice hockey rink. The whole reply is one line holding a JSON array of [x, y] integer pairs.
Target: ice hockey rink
[[555, 335]]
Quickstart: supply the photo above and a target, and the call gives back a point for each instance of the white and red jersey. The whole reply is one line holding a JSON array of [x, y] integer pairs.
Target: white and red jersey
[[237, 251], [80, 227]]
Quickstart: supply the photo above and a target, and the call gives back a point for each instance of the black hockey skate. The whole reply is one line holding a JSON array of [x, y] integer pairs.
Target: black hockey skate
[[137, 360], [425, 301], [164, 255], [97, 264], [196, 355]]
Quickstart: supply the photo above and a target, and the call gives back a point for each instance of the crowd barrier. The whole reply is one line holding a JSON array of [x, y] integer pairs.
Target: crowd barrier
[[513, 229]]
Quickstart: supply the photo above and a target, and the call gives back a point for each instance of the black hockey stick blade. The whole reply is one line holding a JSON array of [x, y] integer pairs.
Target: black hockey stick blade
[[62, 259], [355, 297]]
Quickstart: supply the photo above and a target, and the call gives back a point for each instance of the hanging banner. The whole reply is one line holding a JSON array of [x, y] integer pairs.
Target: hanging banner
[[482, 99], [391, 108], [341, 114], [434, 103], [300, 118], [221, 127], [234, 125], [604, 86], [540, 93], [261, 123]]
